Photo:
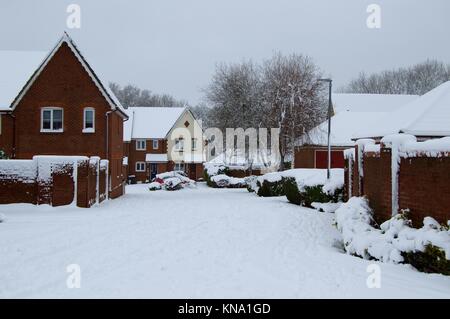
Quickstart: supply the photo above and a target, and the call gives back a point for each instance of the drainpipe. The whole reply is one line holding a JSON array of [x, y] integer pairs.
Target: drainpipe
[[13, 155], [107, 145]]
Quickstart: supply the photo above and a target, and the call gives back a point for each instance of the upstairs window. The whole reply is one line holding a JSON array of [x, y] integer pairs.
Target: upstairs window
[[141, 145], [89, 120], [51, 119], [179, 144], [155, 144], [194, 144]]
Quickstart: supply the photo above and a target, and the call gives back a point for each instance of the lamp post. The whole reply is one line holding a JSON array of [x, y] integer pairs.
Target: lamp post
[[330, 106]]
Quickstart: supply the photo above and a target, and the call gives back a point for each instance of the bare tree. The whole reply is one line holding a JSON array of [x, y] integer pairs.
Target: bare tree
[[131, 95], [234, 95], [417, 79], [292, 97]]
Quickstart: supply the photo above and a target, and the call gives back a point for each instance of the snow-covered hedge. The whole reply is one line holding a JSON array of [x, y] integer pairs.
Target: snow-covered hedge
[[394, 241], [303, 186], [225, 181], [154, 186]]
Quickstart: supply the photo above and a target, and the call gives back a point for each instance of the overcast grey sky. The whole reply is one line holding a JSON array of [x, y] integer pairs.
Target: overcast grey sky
[[172, 46]]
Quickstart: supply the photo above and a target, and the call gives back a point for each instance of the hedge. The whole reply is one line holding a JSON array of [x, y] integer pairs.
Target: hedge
[[309, 194]]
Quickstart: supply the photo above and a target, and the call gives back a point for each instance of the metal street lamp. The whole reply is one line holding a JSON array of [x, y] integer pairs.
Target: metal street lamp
[[330, 110]]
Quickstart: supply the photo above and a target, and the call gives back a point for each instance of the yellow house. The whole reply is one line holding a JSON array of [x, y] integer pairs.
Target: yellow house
[[161, 139]]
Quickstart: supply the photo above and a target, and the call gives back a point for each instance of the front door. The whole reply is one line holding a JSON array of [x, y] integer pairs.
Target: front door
[[192, 172], [153, 170]]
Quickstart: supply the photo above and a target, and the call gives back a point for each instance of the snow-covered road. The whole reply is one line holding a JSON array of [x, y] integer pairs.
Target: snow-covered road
[[194, 243]]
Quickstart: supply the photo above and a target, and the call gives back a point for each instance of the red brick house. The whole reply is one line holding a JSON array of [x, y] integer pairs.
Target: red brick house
[[352, 112], [154, 143], [57, 105]]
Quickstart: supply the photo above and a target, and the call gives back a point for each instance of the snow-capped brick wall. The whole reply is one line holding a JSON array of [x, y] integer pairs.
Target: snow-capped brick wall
[[17, 181], [53, 180], [403, 175]]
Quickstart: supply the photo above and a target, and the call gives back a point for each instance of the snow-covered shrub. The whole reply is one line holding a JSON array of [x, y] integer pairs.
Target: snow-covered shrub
[[291, 190], [268, 188], [305, 195], [311, 183], [211, 170], [225, 181], [154, 186], [2, 218], [394, 241], [252, 183], [3, 155]]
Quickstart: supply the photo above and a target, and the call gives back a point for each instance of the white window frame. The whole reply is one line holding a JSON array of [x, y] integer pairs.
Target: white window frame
[[180, 167], [51, 130], [88, 129], [136, 169], [144, 146], [194, 144], [153, 144], [178, 142]]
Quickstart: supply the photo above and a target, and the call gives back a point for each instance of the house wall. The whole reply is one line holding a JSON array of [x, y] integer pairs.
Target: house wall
[[193, 130], [6, 134], [139, 156], [65, 83]]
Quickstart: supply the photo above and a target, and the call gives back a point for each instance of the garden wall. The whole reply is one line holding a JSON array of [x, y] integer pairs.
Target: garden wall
[[413, 176], [54, 180]]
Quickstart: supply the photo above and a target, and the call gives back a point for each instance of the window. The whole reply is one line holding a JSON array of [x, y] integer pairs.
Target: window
[[141, 145], [179, 144], [51, 119], [155, 144], [194, 144], [179, 167], [89, 120], [140, 166]]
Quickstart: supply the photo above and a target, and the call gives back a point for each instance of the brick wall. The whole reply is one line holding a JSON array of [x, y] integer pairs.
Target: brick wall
[[423, 185], [45, 180], [425, 188], [376, 183]]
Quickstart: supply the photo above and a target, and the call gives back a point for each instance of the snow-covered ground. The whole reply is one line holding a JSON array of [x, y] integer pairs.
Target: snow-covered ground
[[193, 243]]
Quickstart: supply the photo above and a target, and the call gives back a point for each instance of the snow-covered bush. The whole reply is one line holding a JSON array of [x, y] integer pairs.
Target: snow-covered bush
[[154, 186], [252, 183], [3, 155], [2, 218], [225, 181], [307, 195], [211, 170], [304, 186], [394, 241]]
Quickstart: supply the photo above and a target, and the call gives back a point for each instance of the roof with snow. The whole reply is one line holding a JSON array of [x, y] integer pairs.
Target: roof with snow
[[428, 115], [354, 112], [150, 122], [343, 126], [19, 69], [370, 102]]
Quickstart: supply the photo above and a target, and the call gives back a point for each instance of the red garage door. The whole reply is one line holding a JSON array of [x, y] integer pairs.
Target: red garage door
[[337, 159]]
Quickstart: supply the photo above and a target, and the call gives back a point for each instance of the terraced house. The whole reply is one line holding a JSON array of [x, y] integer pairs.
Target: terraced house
[[53, 103], [161, 139]]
